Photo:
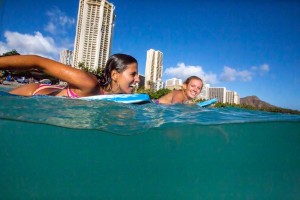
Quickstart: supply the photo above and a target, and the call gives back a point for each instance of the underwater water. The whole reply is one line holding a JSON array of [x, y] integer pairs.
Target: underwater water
[[54, 148]]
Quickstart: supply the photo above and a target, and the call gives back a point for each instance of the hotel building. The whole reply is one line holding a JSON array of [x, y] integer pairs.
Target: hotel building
[[223, 95], [173, 83], [232, 97], [93, 40], [217, 92], [153, 71], [204, 94], [66, 57]]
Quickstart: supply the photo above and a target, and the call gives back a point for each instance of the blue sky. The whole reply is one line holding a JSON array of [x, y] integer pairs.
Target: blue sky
[[252, 47]]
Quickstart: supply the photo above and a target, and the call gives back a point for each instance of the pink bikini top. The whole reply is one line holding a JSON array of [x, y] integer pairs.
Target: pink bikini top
[[70, 92]]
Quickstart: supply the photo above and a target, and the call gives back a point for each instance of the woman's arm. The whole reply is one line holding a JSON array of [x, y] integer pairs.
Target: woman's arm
[[78, 79]]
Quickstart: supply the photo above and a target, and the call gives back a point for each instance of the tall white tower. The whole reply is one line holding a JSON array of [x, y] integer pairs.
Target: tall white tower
[[153, 71], [66, 57], [217, 92], [93, 40]]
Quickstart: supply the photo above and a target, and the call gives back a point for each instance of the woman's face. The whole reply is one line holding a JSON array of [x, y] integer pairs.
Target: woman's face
[[127, 79], [193, 88]]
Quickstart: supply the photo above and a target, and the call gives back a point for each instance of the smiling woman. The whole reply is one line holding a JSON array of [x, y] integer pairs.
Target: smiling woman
[[191, 88], [119, 76]]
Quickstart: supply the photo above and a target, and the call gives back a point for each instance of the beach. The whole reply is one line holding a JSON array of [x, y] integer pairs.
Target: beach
[[10, 84]]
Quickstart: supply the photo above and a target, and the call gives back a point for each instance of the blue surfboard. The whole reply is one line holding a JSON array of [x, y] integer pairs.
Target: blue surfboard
[[136, 98], [121, 98], [207, 102]]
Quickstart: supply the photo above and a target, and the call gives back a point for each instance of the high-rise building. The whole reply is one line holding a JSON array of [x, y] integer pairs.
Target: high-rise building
[[153, 71], [66, 57], [173, 83], [232, 97], [223, 95], [159, 84], [93, 40], [204, 94], [217, 92]]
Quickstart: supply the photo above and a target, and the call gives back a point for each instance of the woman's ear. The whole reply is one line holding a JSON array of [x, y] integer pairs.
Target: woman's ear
[[114, 75], [184, 86]]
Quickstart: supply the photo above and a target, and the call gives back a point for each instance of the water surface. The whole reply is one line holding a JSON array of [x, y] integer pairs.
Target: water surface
[[53, 148]]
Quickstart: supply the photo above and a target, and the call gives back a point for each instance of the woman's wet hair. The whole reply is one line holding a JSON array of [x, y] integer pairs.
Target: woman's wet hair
[[118, 62]]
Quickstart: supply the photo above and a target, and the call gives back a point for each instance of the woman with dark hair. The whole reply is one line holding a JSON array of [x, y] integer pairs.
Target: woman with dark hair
[[120, 75], [191, 88]]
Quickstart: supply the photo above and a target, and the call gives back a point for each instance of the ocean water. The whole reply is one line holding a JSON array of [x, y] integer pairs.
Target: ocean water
[[53, 148]]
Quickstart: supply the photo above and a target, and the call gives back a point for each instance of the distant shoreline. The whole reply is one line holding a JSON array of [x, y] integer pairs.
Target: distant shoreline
[[9, 86]]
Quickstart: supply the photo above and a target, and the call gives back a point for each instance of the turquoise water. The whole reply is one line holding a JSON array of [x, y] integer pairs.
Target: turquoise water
[[54, 148]]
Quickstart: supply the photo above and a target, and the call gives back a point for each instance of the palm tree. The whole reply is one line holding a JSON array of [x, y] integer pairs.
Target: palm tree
[[150, 84], [11, 53]]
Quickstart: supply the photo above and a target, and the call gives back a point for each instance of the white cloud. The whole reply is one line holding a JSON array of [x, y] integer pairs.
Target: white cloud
[[30, 44], [58, 22], [230, 74], [254, 68], [261, 70], [39, 44], [183, 71], [3, 48], [51, 28], [264, 67], [245, 75]]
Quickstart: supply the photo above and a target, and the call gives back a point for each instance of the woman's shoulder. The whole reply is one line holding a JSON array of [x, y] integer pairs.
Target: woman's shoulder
[[177, 93]]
